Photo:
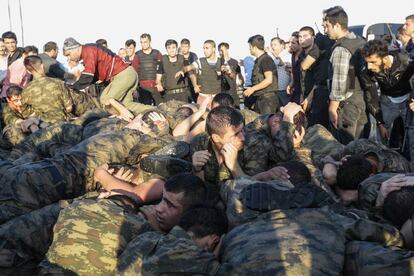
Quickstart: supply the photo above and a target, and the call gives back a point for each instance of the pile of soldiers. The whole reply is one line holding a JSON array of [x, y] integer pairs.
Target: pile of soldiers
[[95, 183]]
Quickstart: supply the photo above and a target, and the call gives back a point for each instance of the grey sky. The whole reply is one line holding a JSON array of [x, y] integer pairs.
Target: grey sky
[[230, 21]]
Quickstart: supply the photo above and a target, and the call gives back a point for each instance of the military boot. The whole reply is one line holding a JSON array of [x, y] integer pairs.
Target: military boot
[[164, 165], [264, 197], [177, 149]]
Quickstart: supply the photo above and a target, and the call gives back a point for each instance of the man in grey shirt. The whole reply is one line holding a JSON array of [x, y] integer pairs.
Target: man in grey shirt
[[53, 68]]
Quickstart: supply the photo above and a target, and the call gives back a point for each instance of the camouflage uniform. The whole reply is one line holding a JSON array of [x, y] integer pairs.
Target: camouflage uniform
[[376, 249], [389, 160], [12, 132], [292, 242], [153, 253], [249, 115], [64, 133], [90, 234], [253, 159], [103, 125], [82, 102], [282, 143], [71, 173], [48, 99], [236, 212]]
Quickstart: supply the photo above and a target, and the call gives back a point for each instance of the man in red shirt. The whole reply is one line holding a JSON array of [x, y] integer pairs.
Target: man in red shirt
[[103, 65]]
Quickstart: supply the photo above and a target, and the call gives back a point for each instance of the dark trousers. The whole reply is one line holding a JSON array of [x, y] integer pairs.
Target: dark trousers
[[267, 103], [149, 96], [351, 119], [184, 96], [318, 113]]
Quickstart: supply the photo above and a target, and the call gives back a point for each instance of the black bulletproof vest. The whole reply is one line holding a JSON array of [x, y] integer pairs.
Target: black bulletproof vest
[[147, 65], [356, 63], [209, 80], [170, 69]]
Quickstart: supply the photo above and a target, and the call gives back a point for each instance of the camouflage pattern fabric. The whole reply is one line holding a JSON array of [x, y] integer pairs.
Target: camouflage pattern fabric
[[48, 98], [249, 115], [370, 258], [103, 125], [13, 134], [69, 174], [82, 102], [90, 116], [368, 189], [153, 253], [389, 160], [10, 116], [65, 133], [253, 158], [90, 234], [291, 242], [236, 212]]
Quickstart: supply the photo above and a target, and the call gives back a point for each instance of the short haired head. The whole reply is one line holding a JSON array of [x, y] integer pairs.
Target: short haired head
[[30, 49], [352, 172], [335, 16], [50, 46], [146, 35], [398, 206], [185, 41], [206, 224], [102, 42], [278, 39], [257, 41], [14, 90], [210, 42], [308, 29], [193, 189], [9, 35], [410, 17], [375, 47], [297, 171], [224, 44], [130, 42], [221, 117], [32, 63], [181, 192], [222, 99], [171, 42]]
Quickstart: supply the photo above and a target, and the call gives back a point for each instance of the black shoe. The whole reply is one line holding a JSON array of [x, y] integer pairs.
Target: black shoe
[[264, 197], [164, 165], [177, 149]]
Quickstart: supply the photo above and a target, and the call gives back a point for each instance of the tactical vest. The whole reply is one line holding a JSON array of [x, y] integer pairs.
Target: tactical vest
[[258, 77], [356, 63], [170, 69], [209, 80], [147, 65]]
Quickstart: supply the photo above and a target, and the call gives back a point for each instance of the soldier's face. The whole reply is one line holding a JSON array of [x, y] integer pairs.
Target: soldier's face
[[170, 210], [15, 102], [375, 63], [233, 135], [11, 44], [274, 124]]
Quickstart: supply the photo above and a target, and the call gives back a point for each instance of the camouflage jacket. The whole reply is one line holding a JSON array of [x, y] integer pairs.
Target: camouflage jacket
[[153, 253], [48, 98]]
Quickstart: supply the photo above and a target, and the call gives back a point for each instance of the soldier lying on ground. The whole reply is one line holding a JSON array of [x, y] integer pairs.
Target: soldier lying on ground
[[91, 234]]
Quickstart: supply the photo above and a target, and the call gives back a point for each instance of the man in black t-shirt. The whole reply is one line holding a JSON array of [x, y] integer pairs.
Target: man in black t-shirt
[[264, 78], [234, 66], [315, 66]]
